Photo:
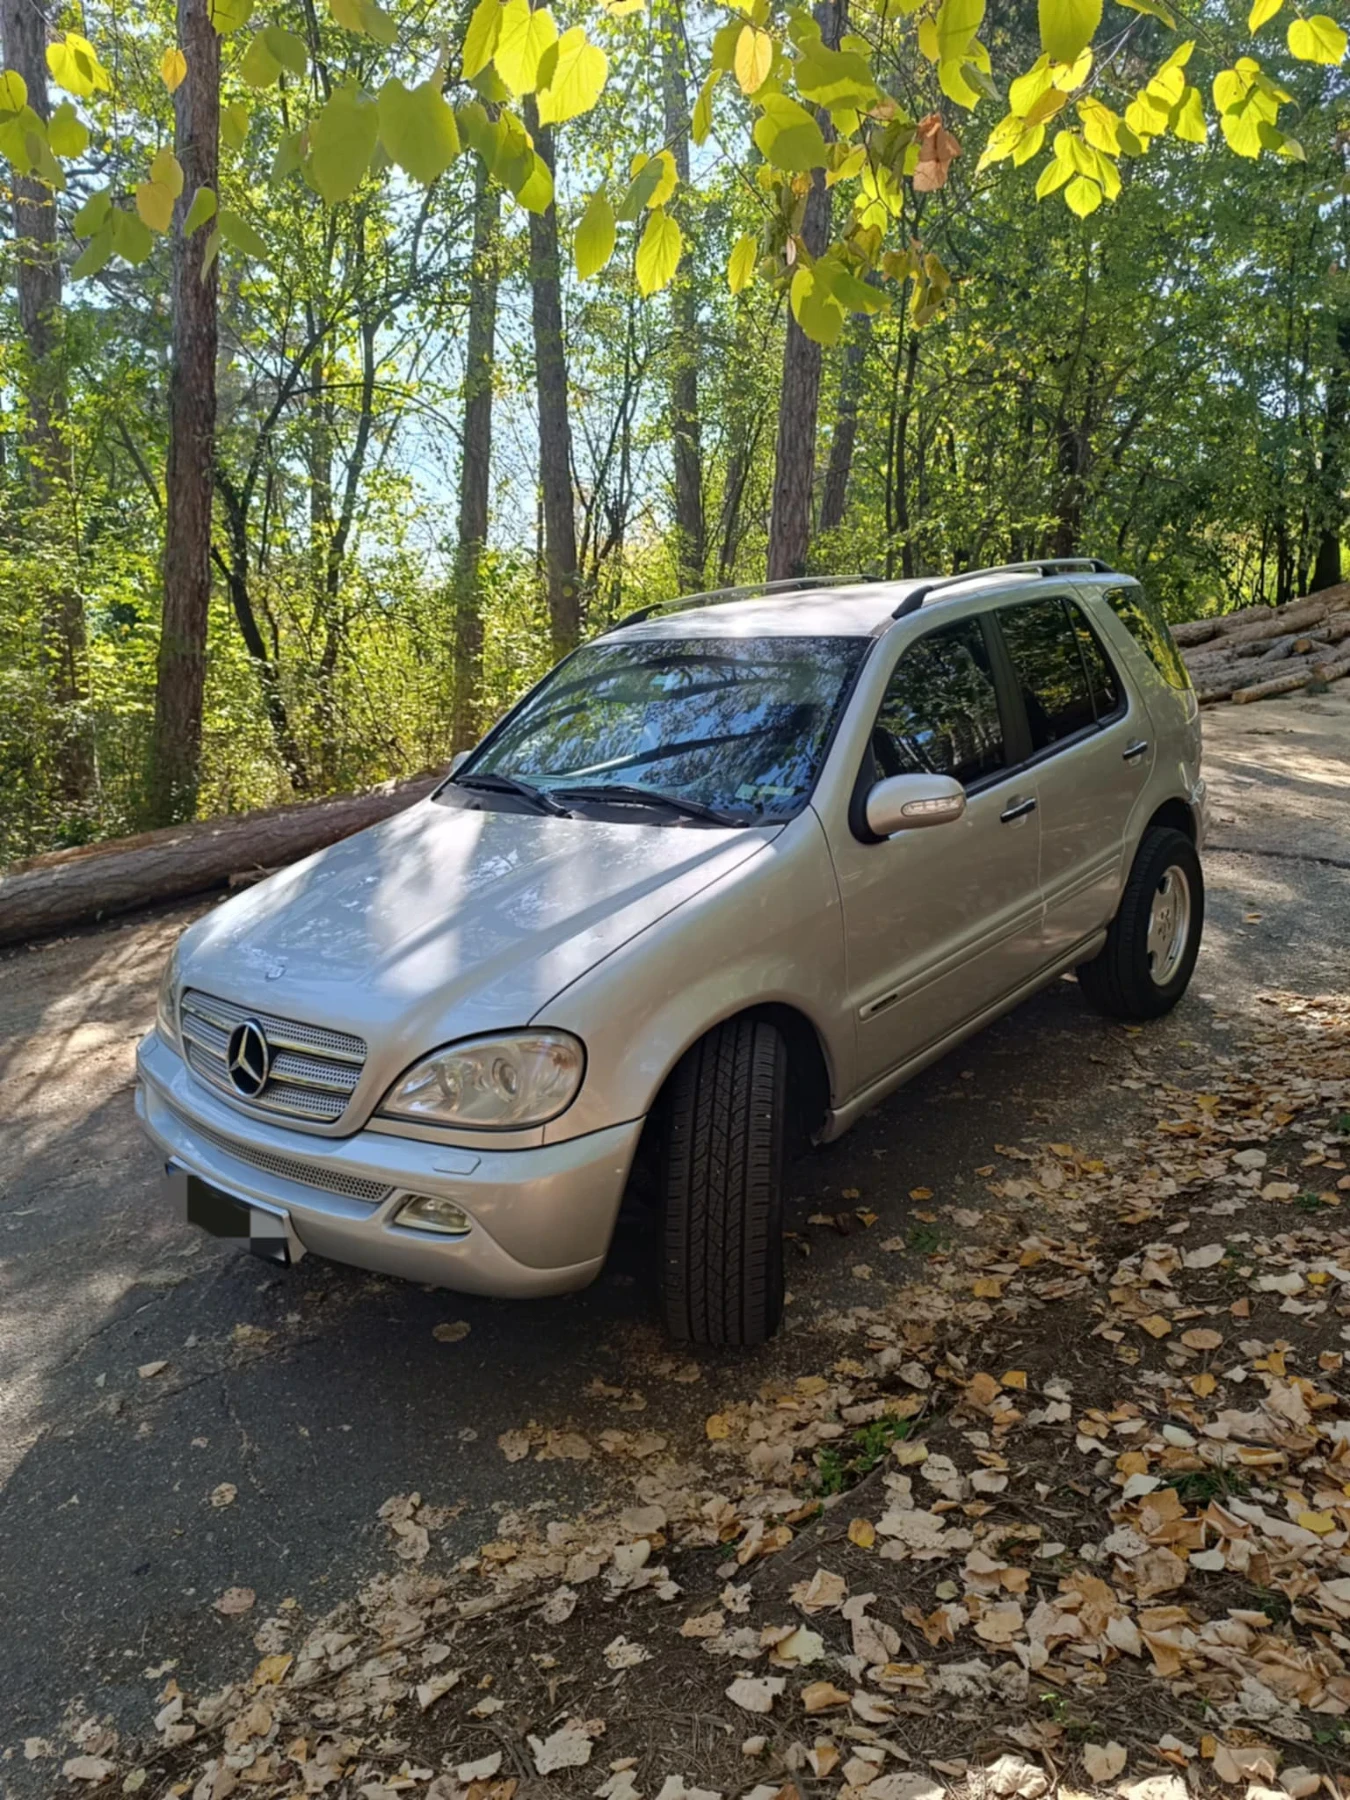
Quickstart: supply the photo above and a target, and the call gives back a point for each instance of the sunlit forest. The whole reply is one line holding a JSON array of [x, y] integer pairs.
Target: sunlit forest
[[438, 455]]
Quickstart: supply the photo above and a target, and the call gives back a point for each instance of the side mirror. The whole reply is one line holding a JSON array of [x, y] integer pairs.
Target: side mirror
[[905, 802], [458, 760]]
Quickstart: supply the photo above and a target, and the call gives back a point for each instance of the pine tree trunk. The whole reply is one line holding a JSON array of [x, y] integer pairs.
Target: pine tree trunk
[[799, 396], [23, 25], [691, 548], [1334, 462], [834, 494], [475, 470], [555, 431], [175, 769]]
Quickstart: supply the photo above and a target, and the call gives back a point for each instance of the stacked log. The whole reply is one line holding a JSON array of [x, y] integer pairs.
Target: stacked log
[[1266, 650]]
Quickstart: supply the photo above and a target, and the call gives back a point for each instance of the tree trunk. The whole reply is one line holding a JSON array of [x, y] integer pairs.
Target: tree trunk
[[23, 25], [691, 549], [175, 770], [1334, 463], [555, 431], [799, 397], [475, 469], [834, 495]]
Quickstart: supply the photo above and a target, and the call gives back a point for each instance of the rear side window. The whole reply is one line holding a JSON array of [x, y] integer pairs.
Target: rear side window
[[1105, 683], [940, 712], [1143, 619], [1050, 669]]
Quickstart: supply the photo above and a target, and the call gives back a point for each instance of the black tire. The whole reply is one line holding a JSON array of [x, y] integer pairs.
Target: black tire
[[722, 1187], [1121, 981]]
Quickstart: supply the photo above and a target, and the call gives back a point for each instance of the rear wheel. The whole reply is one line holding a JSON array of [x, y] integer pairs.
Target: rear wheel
[[1145, 965], [721, 1180]]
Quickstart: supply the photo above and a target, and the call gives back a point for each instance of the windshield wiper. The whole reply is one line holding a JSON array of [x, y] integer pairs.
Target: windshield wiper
[[633, 795], [510, 784]]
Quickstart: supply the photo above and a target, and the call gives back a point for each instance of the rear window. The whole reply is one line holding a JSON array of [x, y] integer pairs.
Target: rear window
[[1049, 663], [1144, 621]]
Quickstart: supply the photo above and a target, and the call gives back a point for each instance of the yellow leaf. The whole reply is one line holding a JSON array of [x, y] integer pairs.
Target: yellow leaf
[[1155, 1325], [1317, 40], [863, 1533], [753, 59], [76, 68], [155, 198], [659, 252], [741, 267], [1202, 1386], [578, 77], [1320, 1522], [718, 1426], [1015, 1378], [1262, 11], [172, 68], [987, 1287], [521, 44], [271, 1670], [921, 1193]]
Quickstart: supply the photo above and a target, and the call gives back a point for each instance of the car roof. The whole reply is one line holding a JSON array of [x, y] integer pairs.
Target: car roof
[[834, 609]]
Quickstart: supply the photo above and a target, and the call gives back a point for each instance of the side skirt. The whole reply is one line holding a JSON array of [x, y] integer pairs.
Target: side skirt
[[840, 1118]]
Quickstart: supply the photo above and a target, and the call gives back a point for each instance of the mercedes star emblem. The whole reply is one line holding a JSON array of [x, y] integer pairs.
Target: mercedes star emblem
[[248, 1059]]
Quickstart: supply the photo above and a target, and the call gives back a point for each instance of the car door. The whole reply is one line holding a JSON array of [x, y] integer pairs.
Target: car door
[[944, 920], [1090, 753]]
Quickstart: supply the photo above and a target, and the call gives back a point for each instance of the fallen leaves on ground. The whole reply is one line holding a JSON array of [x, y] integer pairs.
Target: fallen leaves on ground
[[1098, 1532]]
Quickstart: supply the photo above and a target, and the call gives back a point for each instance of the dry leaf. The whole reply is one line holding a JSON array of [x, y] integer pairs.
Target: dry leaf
[[224, 1495], [451, 1332], [1104, 1761], [234, 1601]]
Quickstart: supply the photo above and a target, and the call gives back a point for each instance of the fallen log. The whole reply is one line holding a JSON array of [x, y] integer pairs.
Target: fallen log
[[1264, 690], [79, 886]]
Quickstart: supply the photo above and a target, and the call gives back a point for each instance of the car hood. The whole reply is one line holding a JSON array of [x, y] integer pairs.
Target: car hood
[[444, 921]]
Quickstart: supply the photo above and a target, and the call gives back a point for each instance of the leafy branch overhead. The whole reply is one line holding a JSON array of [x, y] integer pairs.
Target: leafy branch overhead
[[775, 101]]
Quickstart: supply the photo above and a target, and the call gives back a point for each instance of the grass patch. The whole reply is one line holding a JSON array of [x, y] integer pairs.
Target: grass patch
[[1311, 1203], [1197, 1487], [840, 1466]]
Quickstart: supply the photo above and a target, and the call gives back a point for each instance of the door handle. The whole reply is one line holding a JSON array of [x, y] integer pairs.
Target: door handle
[[1132, 751], [1018, 810]]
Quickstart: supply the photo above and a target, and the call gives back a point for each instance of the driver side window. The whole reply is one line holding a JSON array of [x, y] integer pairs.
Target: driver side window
[[940, 711]]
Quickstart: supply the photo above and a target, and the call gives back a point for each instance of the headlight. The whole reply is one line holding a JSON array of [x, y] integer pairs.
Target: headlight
[[494, 1083], [166, 1007]]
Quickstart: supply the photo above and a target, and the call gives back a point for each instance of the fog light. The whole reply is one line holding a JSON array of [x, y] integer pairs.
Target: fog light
[[425, 1212]]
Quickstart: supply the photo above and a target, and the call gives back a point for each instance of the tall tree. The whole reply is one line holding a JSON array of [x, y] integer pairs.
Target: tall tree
[[23, 24], [690, 527], [799, 395], [834, 493], [1334, 461], [475, 467], [180, 682], [555, 430]]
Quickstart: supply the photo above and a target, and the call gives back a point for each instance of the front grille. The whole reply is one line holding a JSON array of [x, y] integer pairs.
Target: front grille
[[332, 1181], [314, 1071]]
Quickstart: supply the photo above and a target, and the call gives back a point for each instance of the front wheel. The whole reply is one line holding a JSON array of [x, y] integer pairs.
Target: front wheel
[[1145, 965], [722, 1182]]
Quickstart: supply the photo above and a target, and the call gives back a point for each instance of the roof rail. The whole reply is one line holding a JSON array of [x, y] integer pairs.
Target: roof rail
[[1045, 565], [754, 590]]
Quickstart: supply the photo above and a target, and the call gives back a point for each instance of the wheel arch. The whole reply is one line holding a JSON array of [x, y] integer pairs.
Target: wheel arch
[[809, 1078], [1173, 814]]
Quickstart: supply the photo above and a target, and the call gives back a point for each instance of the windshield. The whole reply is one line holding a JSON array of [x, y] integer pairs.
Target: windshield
[[738, 725]]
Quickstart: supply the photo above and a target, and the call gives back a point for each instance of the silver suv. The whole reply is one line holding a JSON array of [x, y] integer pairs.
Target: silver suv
[[729, 869]]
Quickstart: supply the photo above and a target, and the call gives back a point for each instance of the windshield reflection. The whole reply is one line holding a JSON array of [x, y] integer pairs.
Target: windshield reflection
[[738, 726]]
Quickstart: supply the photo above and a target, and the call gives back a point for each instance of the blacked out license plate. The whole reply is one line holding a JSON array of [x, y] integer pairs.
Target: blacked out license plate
[[224, 1215]]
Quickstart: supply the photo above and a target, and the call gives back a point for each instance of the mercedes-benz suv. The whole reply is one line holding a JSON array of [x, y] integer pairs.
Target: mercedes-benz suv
[[742, 864]]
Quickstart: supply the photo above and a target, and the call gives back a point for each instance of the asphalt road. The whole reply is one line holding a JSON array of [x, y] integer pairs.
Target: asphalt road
[[319, 1392]]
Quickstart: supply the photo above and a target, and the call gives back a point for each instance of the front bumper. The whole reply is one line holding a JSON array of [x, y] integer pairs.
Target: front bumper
[[541, 1219]]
